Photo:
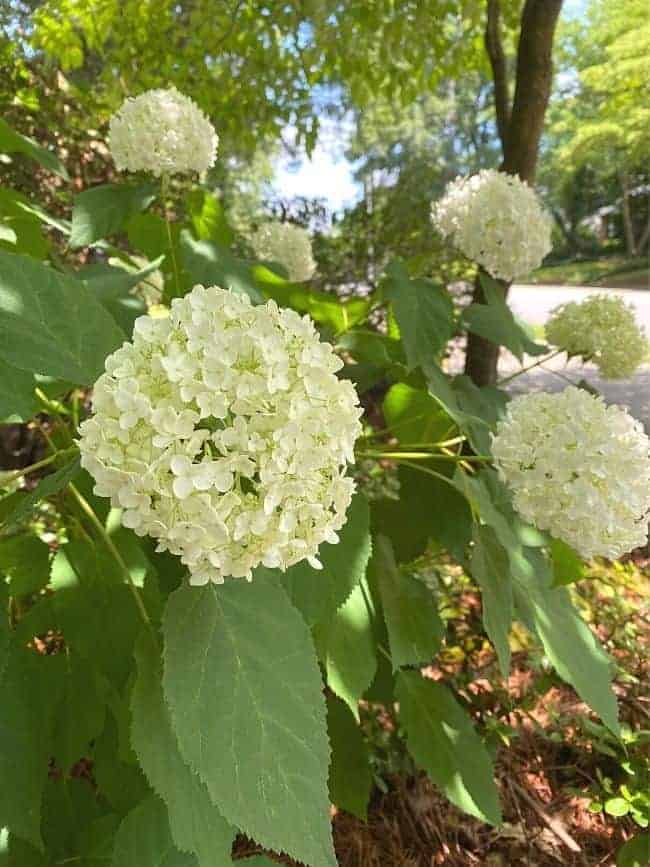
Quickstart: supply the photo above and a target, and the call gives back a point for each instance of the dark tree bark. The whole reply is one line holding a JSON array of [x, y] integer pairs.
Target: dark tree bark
[[521, 133]]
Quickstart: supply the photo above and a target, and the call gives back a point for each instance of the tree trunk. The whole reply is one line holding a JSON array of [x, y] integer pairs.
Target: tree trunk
[[520, 138], [628, 225]]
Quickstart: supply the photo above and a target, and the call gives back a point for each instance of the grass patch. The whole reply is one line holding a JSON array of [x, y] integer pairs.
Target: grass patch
[[620, 270]]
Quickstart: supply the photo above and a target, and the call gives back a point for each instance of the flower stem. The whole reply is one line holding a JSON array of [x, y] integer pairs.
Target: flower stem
[[45, 462], [101, 531], [164, 188], [537, 363], [425, 456]]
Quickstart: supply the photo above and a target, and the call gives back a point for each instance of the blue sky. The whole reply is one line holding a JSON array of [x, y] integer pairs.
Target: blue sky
[[327, 173]]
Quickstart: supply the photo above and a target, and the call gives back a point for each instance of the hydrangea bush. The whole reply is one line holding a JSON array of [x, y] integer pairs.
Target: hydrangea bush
[[198, 597]]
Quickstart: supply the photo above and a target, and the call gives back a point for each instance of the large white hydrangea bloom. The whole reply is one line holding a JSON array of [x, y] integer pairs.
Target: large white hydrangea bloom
[[288, 245], [603, 329], [577, 468], [223, 432], [162, 132], [497, 221]]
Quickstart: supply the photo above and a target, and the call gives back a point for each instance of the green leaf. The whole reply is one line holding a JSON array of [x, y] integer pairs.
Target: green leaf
[[196, 824], [413, 416], [318, 593], [25, 561], [257, 861], [112, 287], [17, 399], [211, 264], [208, 218], [487, 404], [80, 716], [12, 142], [441, 388], [144, 839], [51, 324], [617, 807], [347, 649], [119, 782], [350, 780], [634, 853], [17, 219], [567, 565], [424, 313], [568, 642], [428, 508], [490, 567], [69, 803], [322, 307], [249, 714], [442, 740], [30, 687], [49, 485], [94, 843], [495, 322], [411, 614], [103, 210]]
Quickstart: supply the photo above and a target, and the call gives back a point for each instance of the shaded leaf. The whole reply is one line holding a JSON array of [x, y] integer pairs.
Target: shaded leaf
[[144, 838], [442, 740], [413, 416], [410, 611], [212, 264], [490, 567], [25, 561], [17, 399], [568, 567], [49, 485], [12, 142], [350, 780], [103, 210]]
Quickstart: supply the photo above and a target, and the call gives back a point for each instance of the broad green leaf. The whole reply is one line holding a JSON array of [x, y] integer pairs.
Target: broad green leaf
[[69, 803], [51, 324], [80, 716], [490, 567], [413, 416], [196, 824], [25, 561], [49, 485], [112, 287], [318, 593], [119, 782], [347, 649], [208, 218], [94, 843], [17, 399], [17, 220], [428, 508], [424, 313], [245, 694], [634, 853], [211, 264], [323, 308], [30, 687], [442, 740], [410, 611], [567, 565], [568, 642], [103, 210], [487, 404], [144, 839], [12, 142], [372, 348], [23, 854], [147, 233], [350, 780], [496, 323]]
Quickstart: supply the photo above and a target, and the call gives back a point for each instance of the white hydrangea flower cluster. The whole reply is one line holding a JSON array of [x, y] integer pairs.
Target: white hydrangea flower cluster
[[287, 244], [223, 432], [602, 329], [497, 221], [162, 132], [577, 468]]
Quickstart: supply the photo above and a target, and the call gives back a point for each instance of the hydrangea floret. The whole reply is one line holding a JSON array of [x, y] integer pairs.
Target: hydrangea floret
[[577, 468], [162, 132], [602, 329], [497, 221], [223, 431], [288, 245]]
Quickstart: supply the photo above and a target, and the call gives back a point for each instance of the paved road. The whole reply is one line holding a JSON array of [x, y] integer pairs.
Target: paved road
[[534, 303]]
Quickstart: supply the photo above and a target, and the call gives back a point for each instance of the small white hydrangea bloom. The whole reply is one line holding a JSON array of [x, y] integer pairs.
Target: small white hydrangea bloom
[[162, 132], [577, 468], [497, 221], [288, 245], [602, 329], [222, 431]]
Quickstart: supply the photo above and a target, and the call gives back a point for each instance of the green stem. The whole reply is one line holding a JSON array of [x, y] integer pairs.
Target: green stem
[[164, 187], [537, 363], [426, 456], [101, 530], [430, 472], [45, 462]]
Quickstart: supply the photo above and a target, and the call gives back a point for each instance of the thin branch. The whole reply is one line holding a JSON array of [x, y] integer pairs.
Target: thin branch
[[496, 54]]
